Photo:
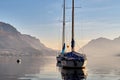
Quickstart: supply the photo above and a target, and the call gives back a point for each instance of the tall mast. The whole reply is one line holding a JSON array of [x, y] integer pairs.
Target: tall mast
[[63, 22], [63, 33], [72, 41]]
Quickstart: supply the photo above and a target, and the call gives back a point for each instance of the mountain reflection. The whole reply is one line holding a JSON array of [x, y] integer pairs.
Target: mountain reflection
[[73, 74]]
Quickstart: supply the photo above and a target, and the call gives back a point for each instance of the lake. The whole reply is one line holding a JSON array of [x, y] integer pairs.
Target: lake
[[44, 68]]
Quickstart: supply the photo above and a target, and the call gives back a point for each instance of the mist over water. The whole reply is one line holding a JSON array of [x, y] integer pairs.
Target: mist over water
[[44, 68]]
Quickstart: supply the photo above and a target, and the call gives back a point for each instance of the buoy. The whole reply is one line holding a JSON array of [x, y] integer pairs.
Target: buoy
[[18, 61]]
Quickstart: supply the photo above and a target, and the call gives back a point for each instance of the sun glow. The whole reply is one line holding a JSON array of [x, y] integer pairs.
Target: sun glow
[[56, 45]]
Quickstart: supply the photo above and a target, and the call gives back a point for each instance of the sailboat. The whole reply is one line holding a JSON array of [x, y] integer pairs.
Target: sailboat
[[71, 59]]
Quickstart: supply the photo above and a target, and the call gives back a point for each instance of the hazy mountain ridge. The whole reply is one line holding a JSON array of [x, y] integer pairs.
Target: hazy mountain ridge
[[102, 47], [103, 54], [12, 41]]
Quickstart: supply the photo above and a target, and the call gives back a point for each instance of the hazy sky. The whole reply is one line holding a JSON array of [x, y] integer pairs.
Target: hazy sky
[[42, 18]]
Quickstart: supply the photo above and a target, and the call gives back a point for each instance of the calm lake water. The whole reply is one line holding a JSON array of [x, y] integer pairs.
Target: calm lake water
[[39, 68]]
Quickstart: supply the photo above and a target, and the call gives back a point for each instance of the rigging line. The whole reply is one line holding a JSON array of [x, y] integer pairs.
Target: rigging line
[[68, 36]]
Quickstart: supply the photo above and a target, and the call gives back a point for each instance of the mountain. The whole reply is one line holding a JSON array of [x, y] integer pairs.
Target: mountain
[[102, 47], [102, 54], [13, 42]]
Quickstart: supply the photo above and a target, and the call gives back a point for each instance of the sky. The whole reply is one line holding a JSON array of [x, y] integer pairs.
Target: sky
[[43, 19]]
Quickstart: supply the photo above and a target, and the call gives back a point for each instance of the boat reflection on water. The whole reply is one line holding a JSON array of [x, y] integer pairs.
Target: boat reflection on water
[[73, 74]]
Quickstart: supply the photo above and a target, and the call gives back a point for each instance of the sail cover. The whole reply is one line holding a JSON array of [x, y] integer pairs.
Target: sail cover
[[63, 49]]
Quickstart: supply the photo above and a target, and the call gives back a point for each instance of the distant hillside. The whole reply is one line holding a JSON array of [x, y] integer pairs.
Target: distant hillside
[[103, 54], [102, 47], [13, 42]]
